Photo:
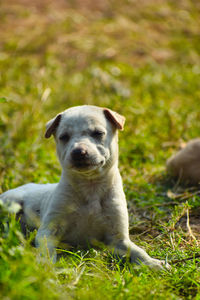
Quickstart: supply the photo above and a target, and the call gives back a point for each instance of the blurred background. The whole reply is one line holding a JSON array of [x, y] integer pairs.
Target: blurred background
[[140, 58]]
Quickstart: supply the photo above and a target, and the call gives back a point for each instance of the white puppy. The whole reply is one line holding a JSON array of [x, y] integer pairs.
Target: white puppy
[[88, 205]]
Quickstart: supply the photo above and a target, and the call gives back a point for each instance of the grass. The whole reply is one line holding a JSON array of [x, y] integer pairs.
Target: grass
[[140, 58]]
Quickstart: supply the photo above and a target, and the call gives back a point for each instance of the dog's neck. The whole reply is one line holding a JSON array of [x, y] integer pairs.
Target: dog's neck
[[86, 185]]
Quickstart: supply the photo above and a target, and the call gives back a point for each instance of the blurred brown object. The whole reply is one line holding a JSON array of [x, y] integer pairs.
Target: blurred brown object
[[185, 164]]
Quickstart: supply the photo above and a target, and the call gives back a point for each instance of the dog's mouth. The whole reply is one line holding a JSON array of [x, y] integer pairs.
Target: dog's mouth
[[83, 166]]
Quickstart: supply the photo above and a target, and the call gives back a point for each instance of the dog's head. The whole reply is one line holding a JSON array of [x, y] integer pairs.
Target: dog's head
[[86, 138]]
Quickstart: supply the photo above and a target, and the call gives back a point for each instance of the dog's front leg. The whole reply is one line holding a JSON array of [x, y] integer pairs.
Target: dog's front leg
[[126, 247], [47, 239]]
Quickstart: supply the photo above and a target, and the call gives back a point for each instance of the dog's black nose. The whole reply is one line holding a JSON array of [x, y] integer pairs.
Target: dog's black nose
[[79, 153]]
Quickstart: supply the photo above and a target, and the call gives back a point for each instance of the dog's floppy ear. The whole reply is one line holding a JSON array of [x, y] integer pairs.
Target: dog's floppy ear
[[52, 125], [116, 119]]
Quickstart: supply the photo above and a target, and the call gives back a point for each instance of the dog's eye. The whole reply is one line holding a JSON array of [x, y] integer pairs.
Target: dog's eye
[[97, 134], [64, 137]]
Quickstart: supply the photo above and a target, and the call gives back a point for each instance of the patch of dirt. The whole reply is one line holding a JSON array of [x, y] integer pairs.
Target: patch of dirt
[[194, 222]]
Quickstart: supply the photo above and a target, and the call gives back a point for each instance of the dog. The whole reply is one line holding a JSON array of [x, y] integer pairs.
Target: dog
[[88, 205], [185, 164]]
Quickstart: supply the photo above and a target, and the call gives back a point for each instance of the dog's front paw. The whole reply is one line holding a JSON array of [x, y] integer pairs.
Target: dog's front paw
[[157, 264]]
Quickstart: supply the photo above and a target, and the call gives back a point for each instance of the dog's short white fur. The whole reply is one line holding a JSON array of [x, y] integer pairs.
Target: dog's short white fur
[[88, 205]]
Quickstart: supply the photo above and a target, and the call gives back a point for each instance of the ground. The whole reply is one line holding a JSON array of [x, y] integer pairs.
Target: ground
[[142, 59]]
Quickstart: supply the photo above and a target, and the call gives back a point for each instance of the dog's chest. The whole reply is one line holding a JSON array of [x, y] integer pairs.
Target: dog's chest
[[86, 223]]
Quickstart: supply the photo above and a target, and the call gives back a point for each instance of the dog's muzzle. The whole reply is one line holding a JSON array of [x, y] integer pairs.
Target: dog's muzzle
[[82, 159]]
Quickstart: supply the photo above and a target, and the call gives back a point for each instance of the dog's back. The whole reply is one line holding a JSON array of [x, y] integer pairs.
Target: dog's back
[[30, 197]]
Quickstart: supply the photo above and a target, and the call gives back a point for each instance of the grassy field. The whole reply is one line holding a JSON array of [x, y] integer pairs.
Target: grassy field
[[142, 59]]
